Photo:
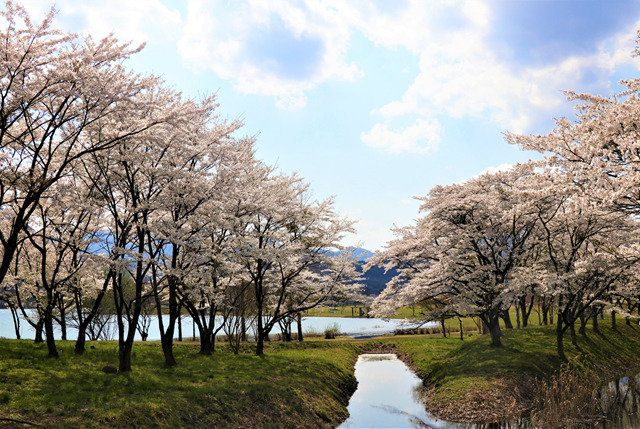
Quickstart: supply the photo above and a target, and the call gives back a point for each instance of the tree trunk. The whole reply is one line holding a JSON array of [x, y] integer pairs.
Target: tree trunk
[[125, 337], [594, 319], [444, 330], [16, 321], [539, 314], [260, 346], [243, 328], [628, 321], [583, 324], [261, 334], [518, 315], [80, 343], [526, 312], [613, 320], [494, 331], [124, 356], [461, 330], [559, 329], [166, 338], [559, 339], [167, 349], [572, 330], [300, 327], [206, 344], [51, 342], [507, 319], [85, 321], [166, 335], [63, 322], [39, 327]]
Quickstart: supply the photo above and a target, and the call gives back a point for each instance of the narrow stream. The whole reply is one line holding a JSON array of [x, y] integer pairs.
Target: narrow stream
[[389, 395]]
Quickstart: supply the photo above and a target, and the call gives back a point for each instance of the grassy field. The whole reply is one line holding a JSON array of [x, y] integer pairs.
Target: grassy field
[[294, 385]]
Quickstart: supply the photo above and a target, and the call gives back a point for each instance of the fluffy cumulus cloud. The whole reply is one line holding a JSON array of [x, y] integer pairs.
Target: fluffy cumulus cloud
[[422, 136], [501, 167], [467, 68], [486, 59], [463, 73], [371, 234], [489, 170], [140, 21], [277, 48]]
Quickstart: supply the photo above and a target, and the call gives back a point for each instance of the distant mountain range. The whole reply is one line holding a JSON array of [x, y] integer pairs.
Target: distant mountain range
[[362, 254], [375, 279]]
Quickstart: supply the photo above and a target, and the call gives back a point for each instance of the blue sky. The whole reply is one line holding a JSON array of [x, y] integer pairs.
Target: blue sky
[[376, 101]]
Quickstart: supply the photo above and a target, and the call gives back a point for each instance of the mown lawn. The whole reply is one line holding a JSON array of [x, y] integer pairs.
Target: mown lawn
[[294, 385]]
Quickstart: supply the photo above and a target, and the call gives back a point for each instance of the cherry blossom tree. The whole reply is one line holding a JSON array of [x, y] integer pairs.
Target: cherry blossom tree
[[202, 165], [60, 100], [284, 244], [591, 229], [461, 254], [53, 254], [588, 250], [214, 287]]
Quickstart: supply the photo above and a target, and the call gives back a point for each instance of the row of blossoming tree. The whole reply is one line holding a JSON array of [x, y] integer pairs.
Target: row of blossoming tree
[[563, 230], [114, 187]]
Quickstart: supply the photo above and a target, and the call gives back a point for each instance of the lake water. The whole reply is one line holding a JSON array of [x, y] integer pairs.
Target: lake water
[[353, 327]]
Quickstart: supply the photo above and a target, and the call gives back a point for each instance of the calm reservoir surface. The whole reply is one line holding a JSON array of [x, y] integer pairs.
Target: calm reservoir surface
[[354, 327]]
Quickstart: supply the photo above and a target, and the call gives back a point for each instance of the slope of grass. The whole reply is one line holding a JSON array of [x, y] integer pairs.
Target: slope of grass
[[471, 380], [294, 385]]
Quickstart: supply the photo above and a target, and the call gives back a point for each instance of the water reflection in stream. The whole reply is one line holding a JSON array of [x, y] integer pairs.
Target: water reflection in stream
[[620, 400], [389, 395]]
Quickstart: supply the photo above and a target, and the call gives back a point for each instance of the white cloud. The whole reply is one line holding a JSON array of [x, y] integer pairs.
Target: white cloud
[[276, 48], [284, 49], [371, 236], [422, 136], [137, 21], [493, 170], [489, 170], [461, 74]]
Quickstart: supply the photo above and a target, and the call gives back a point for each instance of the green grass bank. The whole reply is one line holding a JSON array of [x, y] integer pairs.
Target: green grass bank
[[471, 381], [296, 384]]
